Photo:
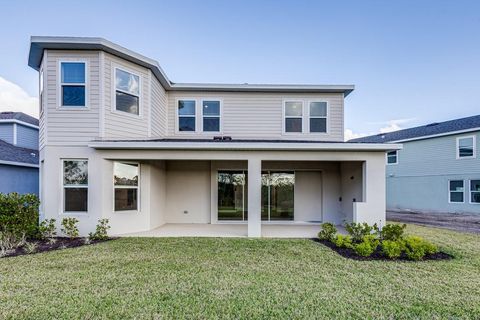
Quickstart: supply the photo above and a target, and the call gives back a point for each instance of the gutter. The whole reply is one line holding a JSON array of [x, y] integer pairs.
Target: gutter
[[19, 164]]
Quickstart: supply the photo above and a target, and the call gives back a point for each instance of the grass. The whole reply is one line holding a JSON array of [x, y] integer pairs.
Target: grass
[[239, 278]]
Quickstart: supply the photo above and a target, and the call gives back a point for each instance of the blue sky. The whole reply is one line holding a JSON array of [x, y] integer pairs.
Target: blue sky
[[413, 62]]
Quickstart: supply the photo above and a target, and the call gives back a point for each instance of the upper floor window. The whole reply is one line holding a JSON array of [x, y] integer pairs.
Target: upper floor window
[[73, 84], [318, 116], [75, 185], [392, 157], [466, 147], [186, 115], [211, 115], [456, 188], [474, 191], [125, 180], [127, 92], [293, 116]]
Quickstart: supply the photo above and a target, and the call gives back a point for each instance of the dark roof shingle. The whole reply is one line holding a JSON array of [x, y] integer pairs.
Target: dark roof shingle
[[20, 116], [423, 131], [9, 152]]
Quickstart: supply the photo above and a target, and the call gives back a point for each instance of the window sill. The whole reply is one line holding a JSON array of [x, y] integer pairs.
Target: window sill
[[74, 213], [126, 211], [73, 108]]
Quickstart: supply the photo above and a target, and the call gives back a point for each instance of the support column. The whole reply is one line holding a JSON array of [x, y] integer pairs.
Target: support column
[[254, 197]]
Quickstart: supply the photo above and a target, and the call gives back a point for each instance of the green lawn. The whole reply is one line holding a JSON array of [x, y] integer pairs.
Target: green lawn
[[239, 278]]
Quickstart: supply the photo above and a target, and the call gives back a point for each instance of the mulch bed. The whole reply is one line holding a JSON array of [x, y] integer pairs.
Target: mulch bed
[[44, 245], [377, 255]]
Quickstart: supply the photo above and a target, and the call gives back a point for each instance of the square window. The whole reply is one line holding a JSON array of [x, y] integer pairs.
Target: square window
[[73, 72], [293, 109], [211, 108], [293, 125], [73, 96], [186, 107], [126, 103], [76, 199], [126, 199], [318, 109], [127, 82], [211, 124], [392, 157], [318, 125], [466, 147], [186, 124]]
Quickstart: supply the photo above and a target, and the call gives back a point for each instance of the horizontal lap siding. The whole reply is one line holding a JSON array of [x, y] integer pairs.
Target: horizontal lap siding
[[27, 137], [159, 109], [119, 125], [6, 132], [259, 115], [76, 126]]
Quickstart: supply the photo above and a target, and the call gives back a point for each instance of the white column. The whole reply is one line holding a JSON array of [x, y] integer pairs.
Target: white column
[[254, 197]]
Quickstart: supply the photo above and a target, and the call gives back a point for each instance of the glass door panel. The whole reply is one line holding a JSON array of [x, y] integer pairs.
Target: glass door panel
[[232, 200], [281, 195]]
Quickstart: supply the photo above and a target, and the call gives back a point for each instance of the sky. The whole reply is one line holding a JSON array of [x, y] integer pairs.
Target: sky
[[412, 62]]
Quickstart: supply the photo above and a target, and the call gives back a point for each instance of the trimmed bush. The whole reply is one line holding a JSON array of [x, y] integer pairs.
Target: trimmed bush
[[328, 231], [69, 227], [360, 230], [343, 241], [416, 247], [19, 214], [392, 232], [46, 229], [367, 246], [101, 232], [393, 248]]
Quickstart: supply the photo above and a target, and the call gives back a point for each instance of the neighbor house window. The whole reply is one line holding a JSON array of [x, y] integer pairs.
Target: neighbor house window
[[186, 115], [73, 84], [456, 190], [293, 116], [392, 157], [75, 185], [125, 176], [211, 115], [318, 117], [466, 147], [127, 92], [475, 191]]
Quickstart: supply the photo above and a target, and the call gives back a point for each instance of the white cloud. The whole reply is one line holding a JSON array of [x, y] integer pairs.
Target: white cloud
[[349, 134], [14, 98], [391, 125]]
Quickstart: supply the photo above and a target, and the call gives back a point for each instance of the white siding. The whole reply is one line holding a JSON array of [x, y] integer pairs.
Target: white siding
[[76, 126], [159, 109], [118, 124], [259, 115]]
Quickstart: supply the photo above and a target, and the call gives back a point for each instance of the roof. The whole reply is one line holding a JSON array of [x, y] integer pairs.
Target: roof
[[425, 132], [240, 144], [19, 116], [39, 43], [17, 155]]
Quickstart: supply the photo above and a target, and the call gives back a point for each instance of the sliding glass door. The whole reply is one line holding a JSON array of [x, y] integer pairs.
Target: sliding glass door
[[277, 195]]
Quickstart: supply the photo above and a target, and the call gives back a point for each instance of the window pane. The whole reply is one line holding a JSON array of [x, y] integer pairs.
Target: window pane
[[293, 125], [125, 199], [456, 196], [392, 159], [318, 109], [465, 147], [186, 124], [475, 185], [293, 109], [76, 199], [232, 191], [186, 107], [318, 125], [211, 108], [281, 195], [125, 174], [211, 124], [73, 96], [75, 172], [456, 185], [127, 82], [475, 197], [126, 103], [265, 195], [73, 72]]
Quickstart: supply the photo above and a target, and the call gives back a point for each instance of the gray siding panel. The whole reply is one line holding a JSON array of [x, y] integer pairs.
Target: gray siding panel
[[159, 109], [6, 132], [27, 137], [18, 179], [420, 179]]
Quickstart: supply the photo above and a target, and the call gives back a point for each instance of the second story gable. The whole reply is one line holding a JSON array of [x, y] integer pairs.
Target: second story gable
[[93, 89], [19, 129]]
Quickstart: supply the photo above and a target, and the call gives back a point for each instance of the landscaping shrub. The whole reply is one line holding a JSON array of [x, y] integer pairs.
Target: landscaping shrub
[[46, 229], [360, 230], [416, 247], [30, 247], [393, 248], [392, 232], [367, 246], [343, 241], [69, 227], [328, 231], [19, 215], [101, 232]]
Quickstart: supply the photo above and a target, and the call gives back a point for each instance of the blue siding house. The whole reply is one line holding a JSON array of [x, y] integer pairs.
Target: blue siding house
[[438, 169], [18, 153]]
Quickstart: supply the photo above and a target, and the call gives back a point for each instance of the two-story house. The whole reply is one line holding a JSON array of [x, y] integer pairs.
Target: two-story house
[[18, 153], [438, 169], [119, 140]]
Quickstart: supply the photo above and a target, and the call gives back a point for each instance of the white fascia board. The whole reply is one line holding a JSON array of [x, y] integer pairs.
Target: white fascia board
[[155, 145], [20, 164], [451, 133], [26, 124]]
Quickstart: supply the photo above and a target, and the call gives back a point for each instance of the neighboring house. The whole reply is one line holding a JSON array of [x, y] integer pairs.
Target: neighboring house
[[119, 140], [438, 169], [18, 153]]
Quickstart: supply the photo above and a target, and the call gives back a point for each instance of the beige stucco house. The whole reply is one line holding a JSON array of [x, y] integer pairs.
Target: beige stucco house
[[119, 140]]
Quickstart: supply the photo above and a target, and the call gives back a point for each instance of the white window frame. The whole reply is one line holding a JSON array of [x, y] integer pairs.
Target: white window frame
[[177, 116], [41, 89], [470, 192], [327, 127], [202, 116], [474, 147], [126, 187], [114, 90], [62, 198], [449, 191], [60, 84], [285, 117], [396, 157]]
